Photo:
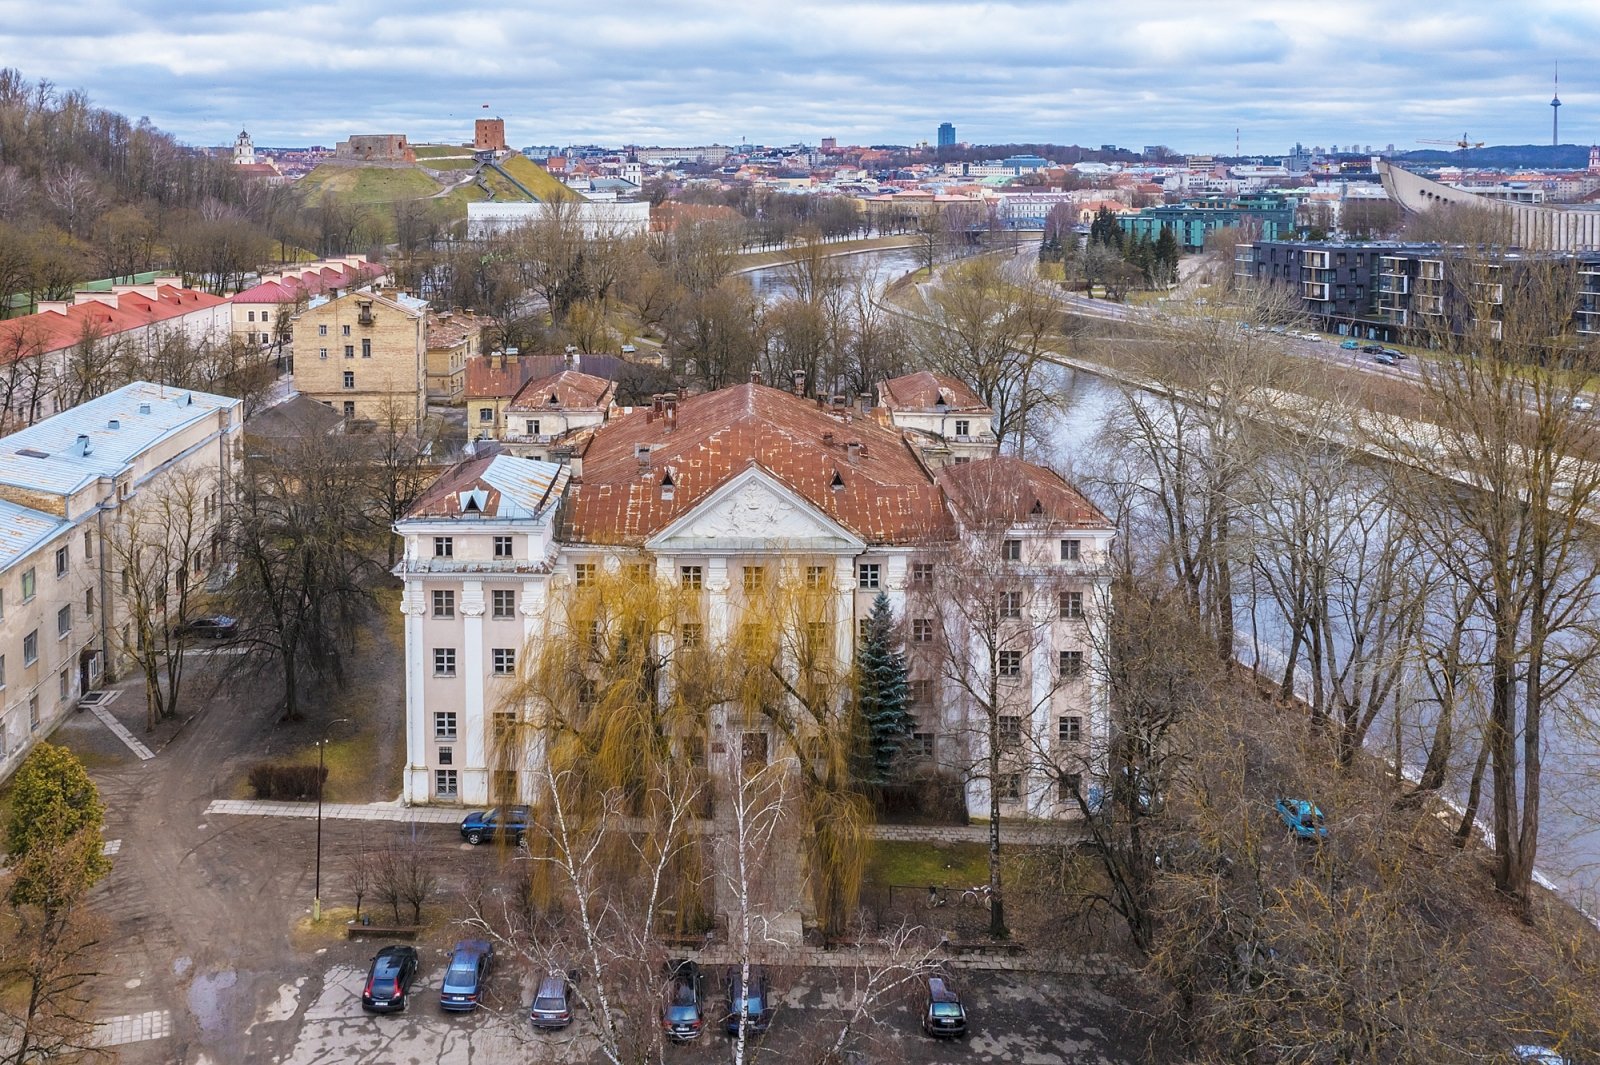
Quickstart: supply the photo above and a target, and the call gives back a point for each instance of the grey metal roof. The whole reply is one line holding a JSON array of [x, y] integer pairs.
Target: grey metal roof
[[50, 456], [22, 531]]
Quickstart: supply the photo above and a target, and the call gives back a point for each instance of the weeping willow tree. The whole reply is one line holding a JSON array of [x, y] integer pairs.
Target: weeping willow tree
[[611, 709], [794, 678]]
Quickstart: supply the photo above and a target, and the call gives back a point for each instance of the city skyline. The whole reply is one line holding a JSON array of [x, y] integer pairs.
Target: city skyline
[[878, 72]]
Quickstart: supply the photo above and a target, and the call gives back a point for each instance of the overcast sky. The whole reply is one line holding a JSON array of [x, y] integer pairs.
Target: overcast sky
[[1185, 73]]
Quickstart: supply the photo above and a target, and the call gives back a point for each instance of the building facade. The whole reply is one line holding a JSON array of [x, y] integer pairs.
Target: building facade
[[548, 409], [721, 498], [262, 313], [947, 135], [64, 484], [364, 355], [1272, 217], [455, 338]]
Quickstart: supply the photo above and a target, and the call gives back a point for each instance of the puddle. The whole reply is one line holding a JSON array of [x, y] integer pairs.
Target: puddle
[[205, 998]]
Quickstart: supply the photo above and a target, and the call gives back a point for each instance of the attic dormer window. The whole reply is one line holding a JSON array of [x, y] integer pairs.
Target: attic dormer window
[[555, 401], [838, 481], [668, 488], [1038, 509], [473, 501]]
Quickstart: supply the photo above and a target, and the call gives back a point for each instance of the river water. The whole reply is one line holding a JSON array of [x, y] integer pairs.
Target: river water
[[1569, 843]]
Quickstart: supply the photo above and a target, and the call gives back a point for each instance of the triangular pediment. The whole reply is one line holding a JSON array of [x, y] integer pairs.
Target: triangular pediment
[[755, 511]]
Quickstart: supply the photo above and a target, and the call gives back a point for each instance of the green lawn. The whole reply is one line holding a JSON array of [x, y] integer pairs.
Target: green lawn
[[958, 865], [367, 184], [538, 180]]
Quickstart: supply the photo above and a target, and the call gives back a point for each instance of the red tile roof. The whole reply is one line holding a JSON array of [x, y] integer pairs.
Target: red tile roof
[[46, 331], [570, 389], [502, 376], [924, 391], [1015, 492], [885, 496]]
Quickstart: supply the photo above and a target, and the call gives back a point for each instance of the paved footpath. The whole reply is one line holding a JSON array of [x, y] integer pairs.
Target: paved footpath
[[1031, 834]]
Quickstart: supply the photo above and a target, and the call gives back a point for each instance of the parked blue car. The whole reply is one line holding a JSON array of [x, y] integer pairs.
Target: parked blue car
[[1303, 819], [1351, 345], [509, 823], [466, 974]]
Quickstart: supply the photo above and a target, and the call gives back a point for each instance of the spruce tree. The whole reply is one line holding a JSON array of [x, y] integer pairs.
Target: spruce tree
[[882, 694], [1167, 255]]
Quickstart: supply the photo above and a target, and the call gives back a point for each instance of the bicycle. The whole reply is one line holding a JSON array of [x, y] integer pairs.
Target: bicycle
[[977, 893]]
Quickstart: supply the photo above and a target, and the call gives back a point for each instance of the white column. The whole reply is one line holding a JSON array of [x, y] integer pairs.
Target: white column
[[719, 612], [844, 591], [1045, 662], [414, 783], [473, 774]]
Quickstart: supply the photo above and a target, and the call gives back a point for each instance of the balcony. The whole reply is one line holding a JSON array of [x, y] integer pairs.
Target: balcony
[[1314, 260], [420, 567], [1315, 291], [1431, 269], [1399, 285]]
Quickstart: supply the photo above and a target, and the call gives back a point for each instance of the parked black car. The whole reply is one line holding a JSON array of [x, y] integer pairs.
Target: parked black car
[[552, 1002], [466, 974], [682, 1017], [942, 1012], [756, 1000], [510, 821], [388, 987], [216, 627]]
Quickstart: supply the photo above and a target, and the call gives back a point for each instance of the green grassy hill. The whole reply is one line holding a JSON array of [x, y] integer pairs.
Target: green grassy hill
[[538, 180], [366, 184]]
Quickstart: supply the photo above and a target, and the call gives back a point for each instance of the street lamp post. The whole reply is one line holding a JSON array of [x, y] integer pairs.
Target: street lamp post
[[316, 890]]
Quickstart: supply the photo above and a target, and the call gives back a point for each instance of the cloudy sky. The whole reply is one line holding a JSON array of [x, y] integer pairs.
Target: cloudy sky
[[1185, 73]]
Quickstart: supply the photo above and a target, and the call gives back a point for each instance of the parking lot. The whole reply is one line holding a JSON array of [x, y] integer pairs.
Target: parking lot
[[1021, 1018]]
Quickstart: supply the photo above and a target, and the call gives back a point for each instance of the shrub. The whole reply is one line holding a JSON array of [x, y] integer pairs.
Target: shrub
[[292, 782]]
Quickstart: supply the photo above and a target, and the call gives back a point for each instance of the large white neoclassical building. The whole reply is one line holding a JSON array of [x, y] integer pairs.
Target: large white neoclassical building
[[711, 489]]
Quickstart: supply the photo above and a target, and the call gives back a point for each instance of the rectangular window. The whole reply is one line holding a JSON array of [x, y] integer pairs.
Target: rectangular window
[[816, 576], [693, 577], [346, 330], [502, 547], [322, 353], [2, 671], [817, 636], [486, 414], [1011, 605], [922, 745], [755, 578], [862, 627], [322, 330], [1069, 729], [1072, 605], [444, 547], [88, 546], [349, 409], [29, 584], [504, 603], [444, 783], [921, 693], [444, 725], [349, 351], [1009, 729], [1069, 787], [444, 661], [33, 712], [1071, 663], [963, 428], [922, 574], [63, 686], [1010, 787], [501, 725], [1011, 550], [30, 648], [447, 756], [505, 661], [692, 633], [349, 379], [366, 347], [583, 574], [638, 573], [1070, 550], [444, 604], [867, 575], [1009, 663], [63, 621], [921, 630]]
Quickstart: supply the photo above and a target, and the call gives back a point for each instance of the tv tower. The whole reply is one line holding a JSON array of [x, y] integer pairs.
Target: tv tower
[[1555, 111]]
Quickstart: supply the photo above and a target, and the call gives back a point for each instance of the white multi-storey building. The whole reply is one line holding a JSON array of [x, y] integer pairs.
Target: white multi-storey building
[[713, 493]]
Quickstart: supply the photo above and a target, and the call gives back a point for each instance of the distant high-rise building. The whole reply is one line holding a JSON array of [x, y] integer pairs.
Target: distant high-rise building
[[830, 144], [947, 135]]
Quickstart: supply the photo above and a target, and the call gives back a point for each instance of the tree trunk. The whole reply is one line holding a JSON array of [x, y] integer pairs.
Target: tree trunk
[[1469, 815], [997, 911]]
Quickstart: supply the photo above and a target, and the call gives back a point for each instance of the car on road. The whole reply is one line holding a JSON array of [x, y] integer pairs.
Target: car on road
[[1529, 1054], [682, 1015], [388, 986], [752, 1005], [1582, 404], [499, 823], [1315, 338], [552, 1002], [943, 1015], [1372, 349], [1350, 345], [214, 627], [1303, 818], [465, 976], [1394, 352], [1386, 359]]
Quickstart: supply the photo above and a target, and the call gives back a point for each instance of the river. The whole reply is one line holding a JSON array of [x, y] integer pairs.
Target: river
[[1569, 839]]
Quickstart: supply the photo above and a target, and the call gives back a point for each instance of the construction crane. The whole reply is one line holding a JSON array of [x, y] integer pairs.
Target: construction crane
[[1465, 143]]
